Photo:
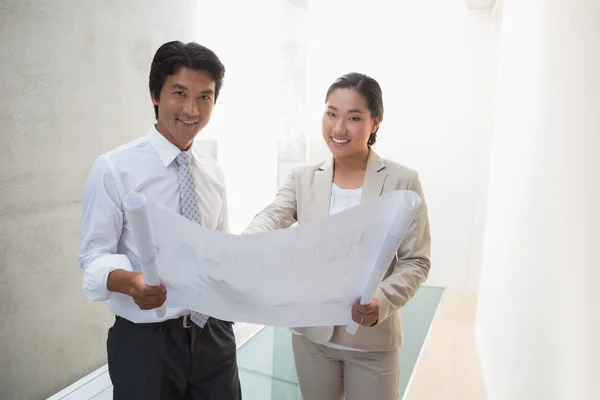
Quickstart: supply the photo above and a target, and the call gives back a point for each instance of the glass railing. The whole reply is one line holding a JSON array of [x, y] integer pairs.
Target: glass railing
[[266, 361]]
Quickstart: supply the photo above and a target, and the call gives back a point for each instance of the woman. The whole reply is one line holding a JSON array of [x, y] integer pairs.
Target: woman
[[331, 363]]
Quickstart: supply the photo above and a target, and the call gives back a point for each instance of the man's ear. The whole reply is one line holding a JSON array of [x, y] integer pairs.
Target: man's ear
[[154, 100]]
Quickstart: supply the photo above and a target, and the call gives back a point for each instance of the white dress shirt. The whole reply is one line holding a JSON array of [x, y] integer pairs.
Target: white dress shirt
[[146, 165]]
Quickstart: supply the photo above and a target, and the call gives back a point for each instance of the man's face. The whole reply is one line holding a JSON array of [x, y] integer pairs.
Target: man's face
[[186, 102]]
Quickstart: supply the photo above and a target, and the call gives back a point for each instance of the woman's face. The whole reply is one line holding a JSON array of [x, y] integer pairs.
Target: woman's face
[[347, 123]]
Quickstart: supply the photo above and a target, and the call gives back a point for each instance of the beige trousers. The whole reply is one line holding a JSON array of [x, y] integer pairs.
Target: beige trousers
[[325, 373]]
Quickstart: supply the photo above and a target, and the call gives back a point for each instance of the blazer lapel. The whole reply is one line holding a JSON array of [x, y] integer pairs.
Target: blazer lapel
[[374, 178], [321, 191]]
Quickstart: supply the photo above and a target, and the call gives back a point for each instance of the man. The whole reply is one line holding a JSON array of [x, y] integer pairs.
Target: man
[[183, 355]]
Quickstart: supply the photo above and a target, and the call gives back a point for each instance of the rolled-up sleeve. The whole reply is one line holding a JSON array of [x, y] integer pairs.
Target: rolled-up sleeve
[[101, 226]]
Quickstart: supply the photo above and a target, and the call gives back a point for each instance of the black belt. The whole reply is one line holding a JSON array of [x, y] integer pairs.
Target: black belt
[[183, 322]]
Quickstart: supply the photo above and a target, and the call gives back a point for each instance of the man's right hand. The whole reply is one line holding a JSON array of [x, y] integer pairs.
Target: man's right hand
[[133, 284], [146, 297]]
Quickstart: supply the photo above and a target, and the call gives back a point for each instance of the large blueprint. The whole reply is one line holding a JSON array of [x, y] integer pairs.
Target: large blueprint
[[307, 275]]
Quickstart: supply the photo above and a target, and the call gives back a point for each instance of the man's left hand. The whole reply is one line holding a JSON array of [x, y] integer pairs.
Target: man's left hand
[[366, 315]]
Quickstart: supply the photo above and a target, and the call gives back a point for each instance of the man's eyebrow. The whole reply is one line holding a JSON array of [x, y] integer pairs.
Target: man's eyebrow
[[179, 86]]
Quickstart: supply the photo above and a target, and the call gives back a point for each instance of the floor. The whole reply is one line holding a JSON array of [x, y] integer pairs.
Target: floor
[[449, 366], [266, 363]]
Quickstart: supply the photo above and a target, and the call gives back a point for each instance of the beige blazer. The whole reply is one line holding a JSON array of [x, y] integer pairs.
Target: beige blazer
[[306, 196]]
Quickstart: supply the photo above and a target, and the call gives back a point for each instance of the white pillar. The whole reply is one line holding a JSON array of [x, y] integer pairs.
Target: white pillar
[[538, 317], [246, 121]]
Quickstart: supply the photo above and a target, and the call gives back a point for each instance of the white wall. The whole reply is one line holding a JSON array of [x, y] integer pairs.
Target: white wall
[[249, 121], [73, 84], [432, 59], [485, 148], [538, 319], [435, 62]]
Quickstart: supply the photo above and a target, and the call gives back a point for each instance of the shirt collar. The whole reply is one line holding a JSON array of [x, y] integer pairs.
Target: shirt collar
[[166, 150]]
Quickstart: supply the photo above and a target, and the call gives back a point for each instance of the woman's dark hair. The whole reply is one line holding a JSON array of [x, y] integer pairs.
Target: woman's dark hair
[[173, 55], [368, 88]]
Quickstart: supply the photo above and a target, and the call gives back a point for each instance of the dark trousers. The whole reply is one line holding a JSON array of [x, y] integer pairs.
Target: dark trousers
[[161, 362]]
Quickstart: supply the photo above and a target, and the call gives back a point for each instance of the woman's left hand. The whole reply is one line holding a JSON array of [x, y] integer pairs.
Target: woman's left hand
[[366, 315]]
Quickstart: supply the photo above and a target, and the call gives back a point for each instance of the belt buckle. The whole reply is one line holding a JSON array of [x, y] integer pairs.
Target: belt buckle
[[187, 321]]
